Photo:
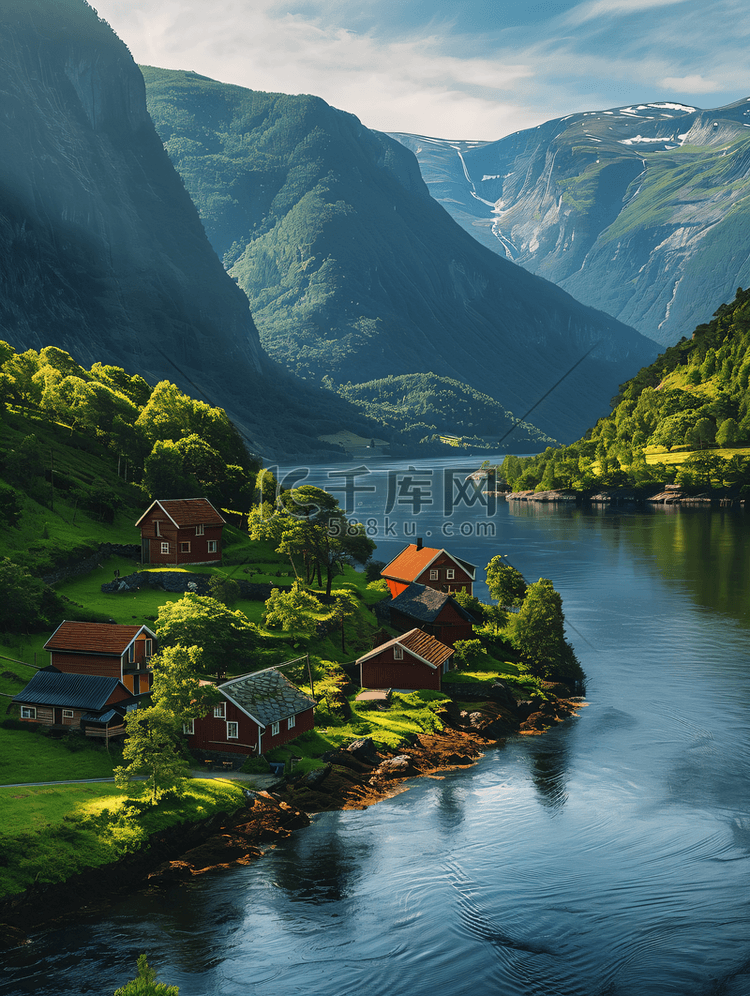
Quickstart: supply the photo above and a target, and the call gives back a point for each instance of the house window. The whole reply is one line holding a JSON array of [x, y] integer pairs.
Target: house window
[[156, 528], [274, 729], [398, 653], [220, 711], [131, 653], [450, 574], [189, 727], [291, 722], [199, 530], [434, 575], [148, 648], [165, 548], [233, 731], [67, 714], [184, 547], [28, 712], [211, 546]]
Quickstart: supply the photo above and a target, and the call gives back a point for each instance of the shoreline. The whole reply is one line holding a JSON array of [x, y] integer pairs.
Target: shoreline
[[355, 777], [670, 496]]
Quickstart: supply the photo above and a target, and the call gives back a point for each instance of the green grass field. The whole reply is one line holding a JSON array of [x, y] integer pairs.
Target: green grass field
[[50, 833]]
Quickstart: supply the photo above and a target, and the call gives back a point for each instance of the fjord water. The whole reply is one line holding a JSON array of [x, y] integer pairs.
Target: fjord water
[[610, 856]]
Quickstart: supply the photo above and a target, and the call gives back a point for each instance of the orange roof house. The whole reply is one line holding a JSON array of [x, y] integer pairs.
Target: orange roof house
[[122, 652], [414, 660], [181, 531], [427, 565]]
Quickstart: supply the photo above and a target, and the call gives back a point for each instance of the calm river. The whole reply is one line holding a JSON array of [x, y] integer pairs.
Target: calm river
[[611, 856]]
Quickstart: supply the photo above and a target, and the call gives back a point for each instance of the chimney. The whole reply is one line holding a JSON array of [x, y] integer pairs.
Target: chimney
[[419, 542]]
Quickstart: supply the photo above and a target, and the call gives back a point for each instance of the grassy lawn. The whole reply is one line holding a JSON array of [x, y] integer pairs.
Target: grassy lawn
[[680, 454], [51, 833], [26, 756]]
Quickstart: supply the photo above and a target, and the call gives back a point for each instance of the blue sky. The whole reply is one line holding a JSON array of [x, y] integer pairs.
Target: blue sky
[[472, 69]]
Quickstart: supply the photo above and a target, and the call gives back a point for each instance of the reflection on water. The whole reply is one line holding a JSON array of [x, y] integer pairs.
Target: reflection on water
[[611, 856]]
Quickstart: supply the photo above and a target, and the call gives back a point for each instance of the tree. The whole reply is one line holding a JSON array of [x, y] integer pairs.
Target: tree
[[345, 606], [321, 535], [153, 748], [223, 634], [506, 585], [145, 984], [177, 685], [538, 631], [164, 473], [294, 610], [21, 597], [468, 652], [728, 433]]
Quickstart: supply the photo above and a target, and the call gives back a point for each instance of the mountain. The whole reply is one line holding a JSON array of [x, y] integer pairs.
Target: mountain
[[420, 406], [352, 269], [641, 211], [693, 397], [102, 252]]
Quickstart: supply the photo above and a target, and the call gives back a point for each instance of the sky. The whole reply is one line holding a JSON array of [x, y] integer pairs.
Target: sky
[[468, 69]]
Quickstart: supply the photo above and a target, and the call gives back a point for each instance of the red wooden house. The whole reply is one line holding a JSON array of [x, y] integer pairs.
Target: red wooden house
[[181, 531], [258, 712], [122, 652], [414, 660], [427, 565], [92, 703], [435, 612]]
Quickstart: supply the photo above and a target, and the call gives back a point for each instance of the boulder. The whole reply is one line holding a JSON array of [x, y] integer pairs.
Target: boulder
[[395, 767], [364, 750]]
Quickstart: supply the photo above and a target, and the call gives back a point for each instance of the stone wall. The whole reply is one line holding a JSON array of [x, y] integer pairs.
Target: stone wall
[[84, 565]]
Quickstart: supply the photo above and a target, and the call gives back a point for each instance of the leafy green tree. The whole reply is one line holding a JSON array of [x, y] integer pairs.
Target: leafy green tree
[[293, 610], [21, 598], [145, 984], [10, 506], [702, 433], [728, 433], [321, 535], [224, 635], [345, 607], [164, 473], [267, 523], [467, 653], [506, 584], [153, 748], [224, 589], [177, 686], [538, 631]]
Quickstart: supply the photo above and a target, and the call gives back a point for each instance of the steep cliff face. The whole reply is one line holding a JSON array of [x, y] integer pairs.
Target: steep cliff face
[[354, 271], [640, 211], [101, 250]]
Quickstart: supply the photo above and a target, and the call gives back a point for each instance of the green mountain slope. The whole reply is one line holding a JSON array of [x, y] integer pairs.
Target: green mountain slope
[[353, 271], [102, 252], [694, 397], [420, 406], [641, 211]]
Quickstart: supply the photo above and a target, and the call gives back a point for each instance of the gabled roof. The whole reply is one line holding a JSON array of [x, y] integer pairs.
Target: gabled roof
[[186, 512], [425, 604], [94, 638], [421, 645], [266, 696], [410, 563], [51, 687]]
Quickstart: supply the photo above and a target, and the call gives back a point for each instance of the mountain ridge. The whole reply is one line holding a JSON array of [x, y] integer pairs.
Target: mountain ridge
[[634, 210], [353, 271]]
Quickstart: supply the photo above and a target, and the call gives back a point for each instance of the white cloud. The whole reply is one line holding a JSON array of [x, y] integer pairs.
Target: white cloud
[[595, 9], [433, 82], [689, 84]]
